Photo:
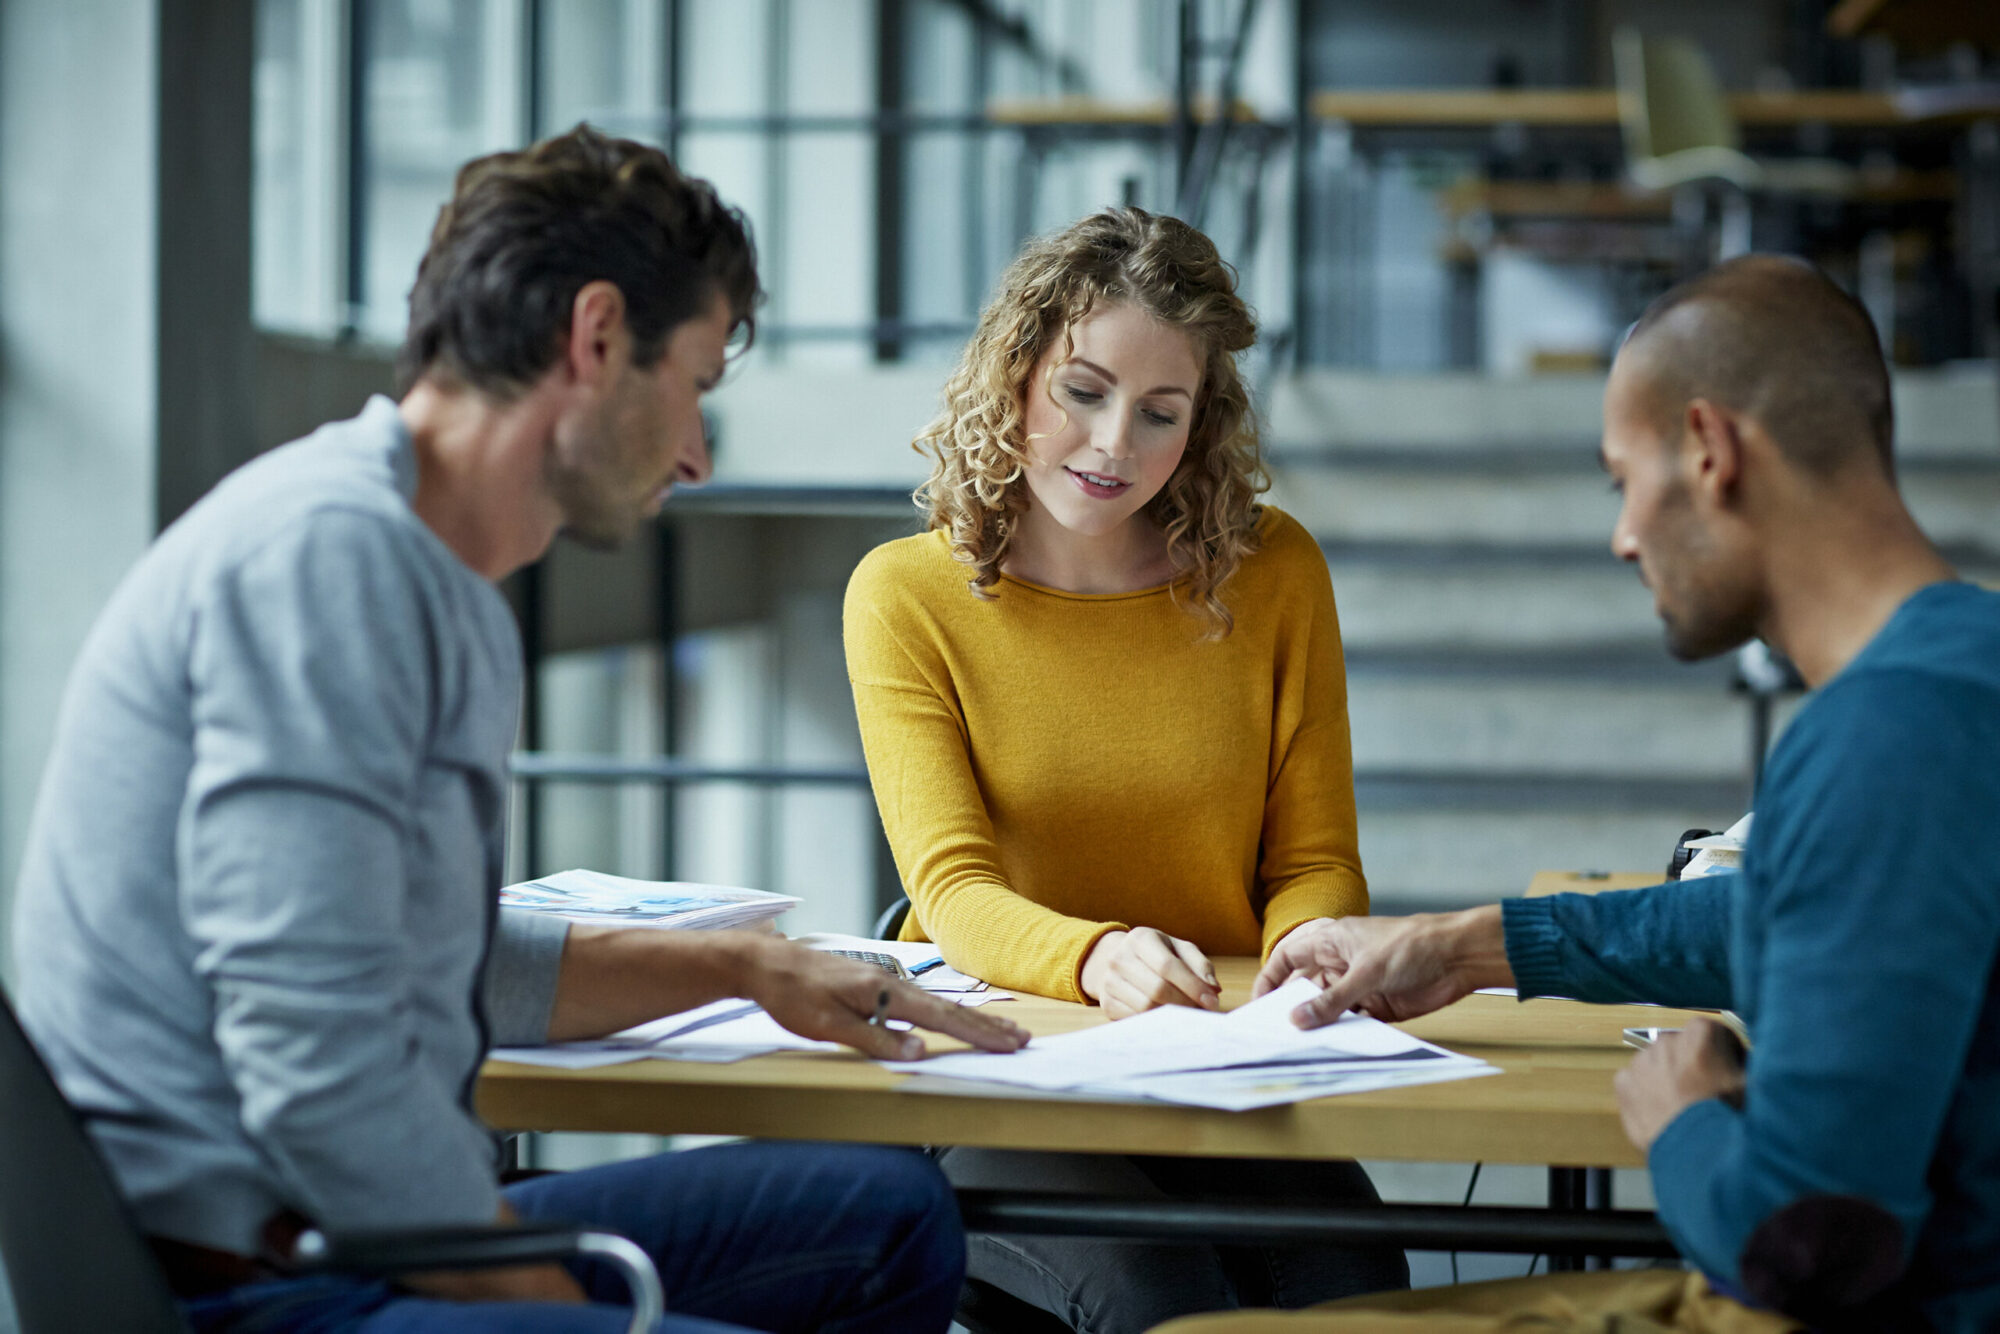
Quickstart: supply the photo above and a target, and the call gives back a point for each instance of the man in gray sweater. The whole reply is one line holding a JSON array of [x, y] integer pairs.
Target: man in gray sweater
[[256, 930]]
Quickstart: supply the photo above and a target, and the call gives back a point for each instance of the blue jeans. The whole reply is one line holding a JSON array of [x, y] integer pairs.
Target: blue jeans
[[763, 1236]]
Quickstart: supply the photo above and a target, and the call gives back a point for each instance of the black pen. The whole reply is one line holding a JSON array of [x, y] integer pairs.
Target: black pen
[[880, 1017]]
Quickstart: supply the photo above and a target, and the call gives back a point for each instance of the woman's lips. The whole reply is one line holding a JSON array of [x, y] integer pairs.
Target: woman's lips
[[1097, 490]]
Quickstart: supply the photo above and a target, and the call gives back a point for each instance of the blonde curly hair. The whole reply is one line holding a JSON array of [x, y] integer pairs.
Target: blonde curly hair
[[978, 444]]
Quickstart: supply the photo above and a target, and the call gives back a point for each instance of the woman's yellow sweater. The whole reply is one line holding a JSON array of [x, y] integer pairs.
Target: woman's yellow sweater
[[1053, 766]]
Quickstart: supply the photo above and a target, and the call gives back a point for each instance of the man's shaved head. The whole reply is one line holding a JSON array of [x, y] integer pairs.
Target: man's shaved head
[[1774, 339]]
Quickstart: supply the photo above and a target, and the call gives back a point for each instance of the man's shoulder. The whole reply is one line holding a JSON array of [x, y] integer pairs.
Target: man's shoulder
[[1920, 706], [338, 489], [350, 466], [1947, 632]]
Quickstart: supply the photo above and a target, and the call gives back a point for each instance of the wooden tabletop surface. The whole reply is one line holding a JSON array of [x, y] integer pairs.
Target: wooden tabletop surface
[[1552, 1104]]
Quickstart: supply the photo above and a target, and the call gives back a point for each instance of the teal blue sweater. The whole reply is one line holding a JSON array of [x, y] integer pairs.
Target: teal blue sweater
[[1859, 945]]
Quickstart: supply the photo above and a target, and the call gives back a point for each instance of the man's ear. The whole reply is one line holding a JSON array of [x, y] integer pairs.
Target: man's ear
[[598, 341], [1712, 450]]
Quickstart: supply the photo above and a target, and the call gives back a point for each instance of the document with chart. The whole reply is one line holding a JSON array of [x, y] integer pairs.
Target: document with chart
[[1249, 1057]]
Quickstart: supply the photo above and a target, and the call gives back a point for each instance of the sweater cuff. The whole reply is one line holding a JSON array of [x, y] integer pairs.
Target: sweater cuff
[[1534, 946], [1096, 932], [1682, 1161], [1299, 903], [521, 972]]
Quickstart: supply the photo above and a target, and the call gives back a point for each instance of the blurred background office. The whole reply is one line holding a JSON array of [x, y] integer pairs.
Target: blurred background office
[[1445, 212]]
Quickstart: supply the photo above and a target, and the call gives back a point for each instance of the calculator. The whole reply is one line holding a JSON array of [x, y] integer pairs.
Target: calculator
[[888, 963]]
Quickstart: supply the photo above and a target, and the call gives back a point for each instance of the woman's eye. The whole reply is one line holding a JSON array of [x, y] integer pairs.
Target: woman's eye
[[1083, 395], [1162, 418]]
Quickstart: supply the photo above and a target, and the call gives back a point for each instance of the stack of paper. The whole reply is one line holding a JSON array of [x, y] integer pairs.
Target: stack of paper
[[1249, 1057], [727, 1030], [924, 960], [1720, 853], [613, 900]]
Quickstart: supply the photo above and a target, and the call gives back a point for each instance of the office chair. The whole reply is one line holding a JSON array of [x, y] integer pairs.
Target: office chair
[[889, 926], [76, 1260], [1679, 133]]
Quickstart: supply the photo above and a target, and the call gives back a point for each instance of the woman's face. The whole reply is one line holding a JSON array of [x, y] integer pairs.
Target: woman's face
[[1108, 411]]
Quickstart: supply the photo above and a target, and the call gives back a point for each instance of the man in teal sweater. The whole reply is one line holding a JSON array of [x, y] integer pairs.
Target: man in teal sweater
[[1849, 1173]]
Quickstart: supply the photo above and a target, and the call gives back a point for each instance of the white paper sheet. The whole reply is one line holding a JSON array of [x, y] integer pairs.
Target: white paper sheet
[[921, 957], [1251, 1056], [725, 1030]]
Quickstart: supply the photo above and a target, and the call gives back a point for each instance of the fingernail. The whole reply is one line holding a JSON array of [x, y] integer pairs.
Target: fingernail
[[912, 1048]]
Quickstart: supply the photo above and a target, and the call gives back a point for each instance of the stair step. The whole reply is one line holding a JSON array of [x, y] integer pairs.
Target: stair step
[[1419, 861], [1685, 730], [1454, 601], [1468, 792], [1603, 660], [1542, 508]]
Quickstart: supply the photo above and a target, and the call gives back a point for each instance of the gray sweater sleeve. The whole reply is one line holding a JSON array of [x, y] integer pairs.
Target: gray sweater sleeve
[[521, 977], [311, 673]]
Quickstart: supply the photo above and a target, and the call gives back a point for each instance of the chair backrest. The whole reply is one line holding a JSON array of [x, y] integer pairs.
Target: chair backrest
[[889, 926], [1668, 97], [75, 1259]]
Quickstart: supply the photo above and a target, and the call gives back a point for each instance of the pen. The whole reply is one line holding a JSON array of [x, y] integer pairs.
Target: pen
[[879, 1018], [923, 968]]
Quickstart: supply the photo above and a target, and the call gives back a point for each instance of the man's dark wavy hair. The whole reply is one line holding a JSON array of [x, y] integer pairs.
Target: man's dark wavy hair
[[525, 230]]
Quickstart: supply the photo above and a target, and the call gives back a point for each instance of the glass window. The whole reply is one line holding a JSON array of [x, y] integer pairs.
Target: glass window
[[443, 81], [297, 210], [604, 61]]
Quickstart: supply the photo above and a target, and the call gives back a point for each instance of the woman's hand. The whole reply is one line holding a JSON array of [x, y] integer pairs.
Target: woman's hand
[[1130, 971]]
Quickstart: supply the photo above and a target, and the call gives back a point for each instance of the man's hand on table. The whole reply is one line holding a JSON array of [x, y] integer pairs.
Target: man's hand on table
[[1702, 1061], [614, 978], [1131, 971], [819, 995], [1390, 968]]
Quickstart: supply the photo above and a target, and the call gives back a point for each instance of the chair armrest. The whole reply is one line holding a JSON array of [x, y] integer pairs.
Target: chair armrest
[[387, 1252]]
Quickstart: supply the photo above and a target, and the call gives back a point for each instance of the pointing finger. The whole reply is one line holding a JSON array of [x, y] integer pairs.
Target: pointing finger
[[1338, 997]]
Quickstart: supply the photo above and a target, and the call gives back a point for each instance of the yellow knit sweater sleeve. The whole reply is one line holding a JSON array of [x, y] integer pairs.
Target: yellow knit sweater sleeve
[[1310, 862], [913, 732]]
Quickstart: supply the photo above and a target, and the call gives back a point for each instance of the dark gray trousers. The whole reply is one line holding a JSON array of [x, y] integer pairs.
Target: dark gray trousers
[[1104, 1286]]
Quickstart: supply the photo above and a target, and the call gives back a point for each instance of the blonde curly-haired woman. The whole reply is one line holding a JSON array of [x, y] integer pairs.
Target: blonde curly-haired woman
[[1105, 717]]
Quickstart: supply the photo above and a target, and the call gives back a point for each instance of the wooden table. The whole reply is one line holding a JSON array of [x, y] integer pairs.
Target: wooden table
[[1553, 1104]]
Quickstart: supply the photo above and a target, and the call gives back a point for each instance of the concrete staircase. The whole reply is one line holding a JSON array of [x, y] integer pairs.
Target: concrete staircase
[[1512, 706]]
